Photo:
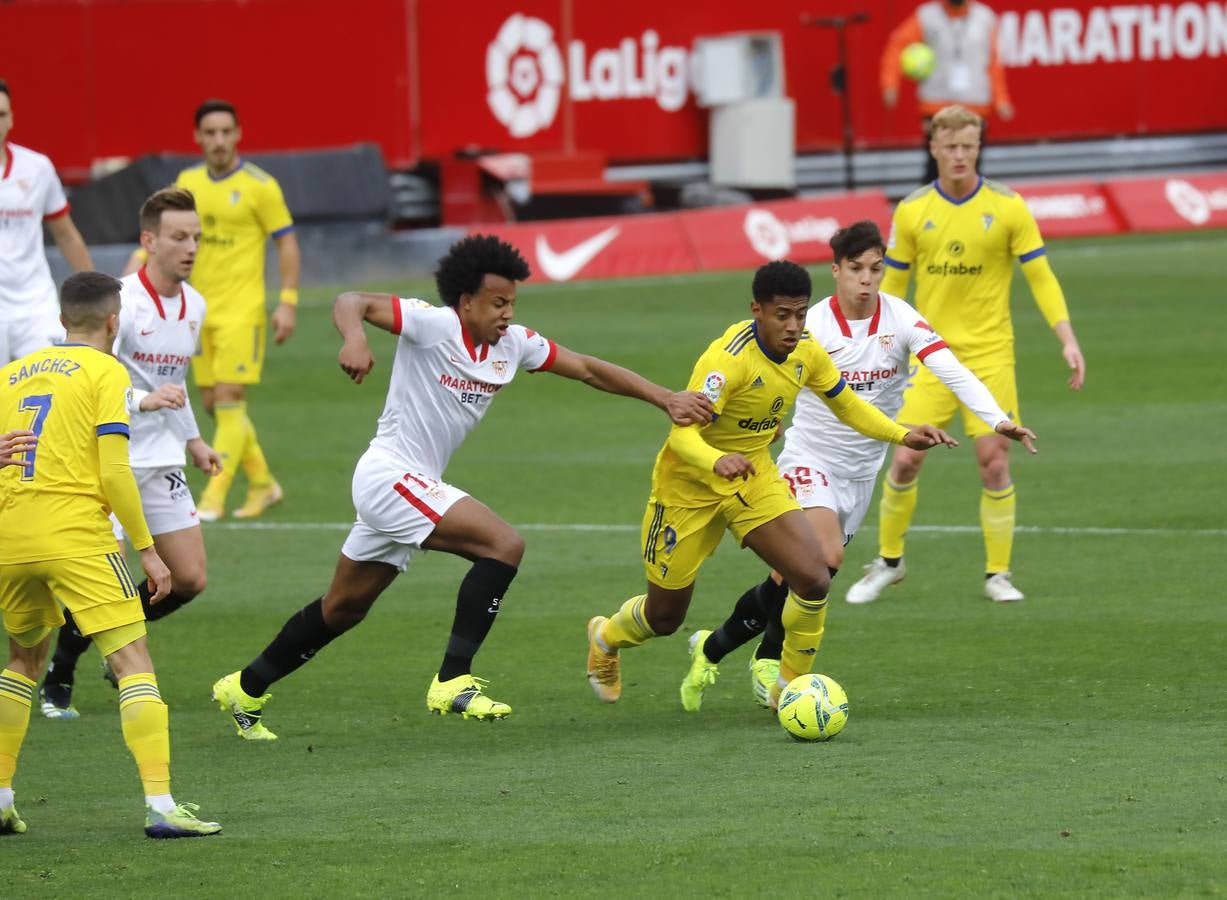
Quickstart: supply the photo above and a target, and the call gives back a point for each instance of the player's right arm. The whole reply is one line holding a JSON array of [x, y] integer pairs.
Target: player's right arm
[[715, 377], [350, 310], [900, 252]]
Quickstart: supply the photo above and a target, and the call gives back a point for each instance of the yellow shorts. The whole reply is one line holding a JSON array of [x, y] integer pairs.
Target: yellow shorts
[[230, 353], [98, 590], [677, 540], [929, 402]]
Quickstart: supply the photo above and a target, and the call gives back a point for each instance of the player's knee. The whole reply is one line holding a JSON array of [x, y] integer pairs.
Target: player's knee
[[834, 556], [665, 621], [812, 585], [508, 547], [189, 583], [995, 471], [342, 613]]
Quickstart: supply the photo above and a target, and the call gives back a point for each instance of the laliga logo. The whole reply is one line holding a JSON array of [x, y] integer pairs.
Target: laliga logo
[[525, 74], [1194, 205], [773, 239]]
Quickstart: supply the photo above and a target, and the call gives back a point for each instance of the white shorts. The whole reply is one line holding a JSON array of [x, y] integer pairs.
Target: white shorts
[[813, 487], [25, 335], [397, 510], [166, 500]]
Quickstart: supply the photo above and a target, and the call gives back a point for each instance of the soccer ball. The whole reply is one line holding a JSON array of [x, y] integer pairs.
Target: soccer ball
[[917, 61], [813, 708]]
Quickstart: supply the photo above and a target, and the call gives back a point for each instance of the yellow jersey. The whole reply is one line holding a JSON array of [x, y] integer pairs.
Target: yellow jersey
[[54, 506], [239, 212], [752, 394], [963, 255]]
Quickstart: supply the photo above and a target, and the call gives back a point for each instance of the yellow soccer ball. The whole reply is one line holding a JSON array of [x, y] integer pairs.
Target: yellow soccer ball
[[813, 708], [917, 61]]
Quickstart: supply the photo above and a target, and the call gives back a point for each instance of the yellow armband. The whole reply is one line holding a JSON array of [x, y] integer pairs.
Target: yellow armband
[[1046, 289], [119, 487], [687, 442], [864, 417], [288, 296]]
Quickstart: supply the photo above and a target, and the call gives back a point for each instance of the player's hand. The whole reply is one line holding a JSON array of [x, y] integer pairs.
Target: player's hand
[[156, 572], [733, 466], [13, 443], [890, 97], [204, 457], [689, 408], [1073, 358], [167, 396], [285, 318], [1016, 432], [925, 437], [356, 359]]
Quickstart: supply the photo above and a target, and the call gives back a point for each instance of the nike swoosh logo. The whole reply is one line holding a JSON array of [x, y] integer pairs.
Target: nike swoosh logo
[[147, 333], [566, 265]]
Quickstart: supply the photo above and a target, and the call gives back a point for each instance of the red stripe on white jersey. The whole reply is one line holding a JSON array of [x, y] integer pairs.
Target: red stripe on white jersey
[[397, 316], [932, 348], [416, 503], [59, 212], [549, 359]]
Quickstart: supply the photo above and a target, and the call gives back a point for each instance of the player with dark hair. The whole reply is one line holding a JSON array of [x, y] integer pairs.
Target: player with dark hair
[[57, 547], [159, 329], [241, 209], [719, 476], [831, 468], [450, 362]]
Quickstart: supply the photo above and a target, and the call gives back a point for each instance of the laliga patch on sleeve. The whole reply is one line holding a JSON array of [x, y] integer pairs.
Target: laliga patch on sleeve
[[127, 398], [890, 241], [713, 386]]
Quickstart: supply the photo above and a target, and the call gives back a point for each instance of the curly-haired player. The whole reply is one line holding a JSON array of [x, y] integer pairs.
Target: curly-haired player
[[450, 363]]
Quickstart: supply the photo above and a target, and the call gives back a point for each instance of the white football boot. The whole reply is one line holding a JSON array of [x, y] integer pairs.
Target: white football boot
[[998, 589], [877, 578]]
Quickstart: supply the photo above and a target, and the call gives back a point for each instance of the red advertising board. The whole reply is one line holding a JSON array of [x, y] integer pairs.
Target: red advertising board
[[425, 79], [1171, 203], [1070, 208], [741, 237]]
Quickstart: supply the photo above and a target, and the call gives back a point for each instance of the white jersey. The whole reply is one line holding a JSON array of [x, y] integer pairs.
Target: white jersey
[[872, 357], [442, 383], [156, 340], [30, 192]]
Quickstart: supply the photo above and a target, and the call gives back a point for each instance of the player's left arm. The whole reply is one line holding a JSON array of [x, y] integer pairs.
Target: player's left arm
[[683, 407], [1028, 246], [973, 394], [277, 222], [70, 242], [13, 444]]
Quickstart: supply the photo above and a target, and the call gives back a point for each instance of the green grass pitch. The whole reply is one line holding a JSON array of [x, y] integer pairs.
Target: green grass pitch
[[1070, 745]]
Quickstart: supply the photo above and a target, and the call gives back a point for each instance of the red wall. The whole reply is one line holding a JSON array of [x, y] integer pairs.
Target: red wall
[[120, 77]]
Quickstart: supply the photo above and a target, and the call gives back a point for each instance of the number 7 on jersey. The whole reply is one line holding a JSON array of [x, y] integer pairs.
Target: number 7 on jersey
[[41, 405]]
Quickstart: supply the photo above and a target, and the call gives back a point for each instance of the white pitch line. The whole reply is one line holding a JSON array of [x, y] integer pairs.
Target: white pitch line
[[610, 529]]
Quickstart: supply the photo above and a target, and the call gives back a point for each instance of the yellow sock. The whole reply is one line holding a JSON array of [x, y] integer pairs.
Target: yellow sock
[[895, 515], [628, 627], [146, 725], [255, 466], [997, 510], [804, 622], [16, 697], [233, 435]]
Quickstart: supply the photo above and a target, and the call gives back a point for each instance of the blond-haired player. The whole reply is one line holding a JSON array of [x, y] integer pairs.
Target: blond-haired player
[[241, 207], [57, 547], [961, 235]]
